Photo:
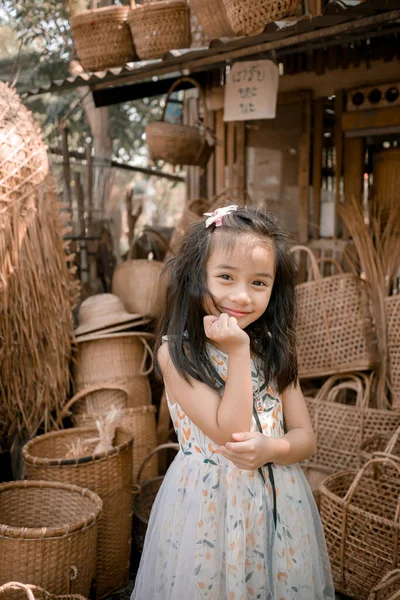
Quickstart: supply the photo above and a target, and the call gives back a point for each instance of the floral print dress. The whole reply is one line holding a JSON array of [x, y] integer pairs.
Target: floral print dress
[[217, 532]]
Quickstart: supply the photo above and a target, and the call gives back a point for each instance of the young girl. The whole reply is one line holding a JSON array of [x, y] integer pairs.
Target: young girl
[[234, 518]]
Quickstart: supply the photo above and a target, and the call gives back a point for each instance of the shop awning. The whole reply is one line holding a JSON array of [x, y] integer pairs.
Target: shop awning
[[341, 25]]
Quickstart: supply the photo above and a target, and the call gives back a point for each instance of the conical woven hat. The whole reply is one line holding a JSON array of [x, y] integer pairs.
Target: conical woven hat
[[101, 312]]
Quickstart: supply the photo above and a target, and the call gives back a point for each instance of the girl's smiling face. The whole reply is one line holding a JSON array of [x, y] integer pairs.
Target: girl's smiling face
[[240, 277]]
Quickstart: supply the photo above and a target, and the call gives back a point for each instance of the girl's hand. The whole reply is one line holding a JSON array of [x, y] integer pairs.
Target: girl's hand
[[225, 330], [250, 450]]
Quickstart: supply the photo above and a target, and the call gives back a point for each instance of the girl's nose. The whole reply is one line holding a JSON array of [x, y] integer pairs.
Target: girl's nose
[[240, 297]]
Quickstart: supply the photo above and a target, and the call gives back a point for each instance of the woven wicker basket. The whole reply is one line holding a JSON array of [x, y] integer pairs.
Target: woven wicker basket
[[180, 144], [121, 360], [212, 16], [48, 534], [140, 422], [138, 282], [388, 588], [360, 513], [143, 498], [159, 26], [340, 428], [108, 474], [392, 305], [102, 38], [249, 18], [334, 325], [19, 591]]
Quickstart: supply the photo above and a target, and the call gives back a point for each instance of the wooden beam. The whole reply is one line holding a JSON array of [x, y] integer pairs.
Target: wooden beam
[[304, 168], [368, 119], [338, 135], [318, 136], [220, 152], [116, 164], [354, 154]]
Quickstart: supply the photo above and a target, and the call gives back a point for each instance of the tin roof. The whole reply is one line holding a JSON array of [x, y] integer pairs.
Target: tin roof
[[343, 23]]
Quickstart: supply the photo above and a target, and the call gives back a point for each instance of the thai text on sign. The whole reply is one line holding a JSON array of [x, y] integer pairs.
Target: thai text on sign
[[251, 91]]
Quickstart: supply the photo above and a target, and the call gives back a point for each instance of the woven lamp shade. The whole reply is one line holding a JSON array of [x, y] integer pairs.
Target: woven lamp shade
[[37, 289]]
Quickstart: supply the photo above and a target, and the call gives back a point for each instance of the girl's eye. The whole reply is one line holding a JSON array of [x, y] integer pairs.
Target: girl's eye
[[225, 277], [259, 283]]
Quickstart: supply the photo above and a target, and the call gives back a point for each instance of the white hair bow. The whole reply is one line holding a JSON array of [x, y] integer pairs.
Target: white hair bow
[[218, 214]]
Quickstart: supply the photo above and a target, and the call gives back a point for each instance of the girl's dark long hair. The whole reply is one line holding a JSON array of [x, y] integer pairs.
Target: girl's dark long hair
[[272, 336]]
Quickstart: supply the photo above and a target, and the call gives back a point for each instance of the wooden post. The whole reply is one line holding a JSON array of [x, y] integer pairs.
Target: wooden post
[[315, 7], [220, 152], [210, 123], [338, 134], [89, 182], [230, 152], [318, 137], [66, 166], [304, 168], [354, 154], [241, 154]]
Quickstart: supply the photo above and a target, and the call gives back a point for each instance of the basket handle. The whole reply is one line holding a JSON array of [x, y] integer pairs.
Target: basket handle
[[152, 453], [176, 84], [89, 390], [331, 261], [311, 256], [392, 442], [329, 385], [349, 385], [153, 232], [374, 461], [15, 585]]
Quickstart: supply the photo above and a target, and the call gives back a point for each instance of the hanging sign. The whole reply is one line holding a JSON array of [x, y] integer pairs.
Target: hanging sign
[[251, 91]]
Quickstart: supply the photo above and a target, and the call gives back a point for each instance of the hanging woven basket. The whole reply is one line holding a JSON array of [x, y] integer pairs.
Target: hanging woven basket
[[180, 144], [159, 26], [250, 18], [102, 37]]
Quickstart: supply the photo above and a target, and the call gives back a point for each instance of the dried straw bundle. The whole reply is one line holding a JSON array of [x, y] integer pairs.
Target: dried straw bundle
[[37, 290], [377, 244]]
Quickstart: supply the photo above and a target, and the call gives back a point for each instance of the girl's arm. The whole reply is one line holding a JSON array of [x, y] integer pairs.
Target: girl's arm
[[253, 450], [217, 417]]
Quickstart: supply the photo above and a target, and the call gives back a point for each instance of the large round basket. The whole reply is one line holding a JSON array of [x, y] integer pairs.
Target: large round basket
[[48, 535], [102, 38], [14, 590], [140, 422], [249, 18], [360, 513], [334, 324], [144, 495], [113, 360], [108, 474], [180, 144], [160, 26]]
